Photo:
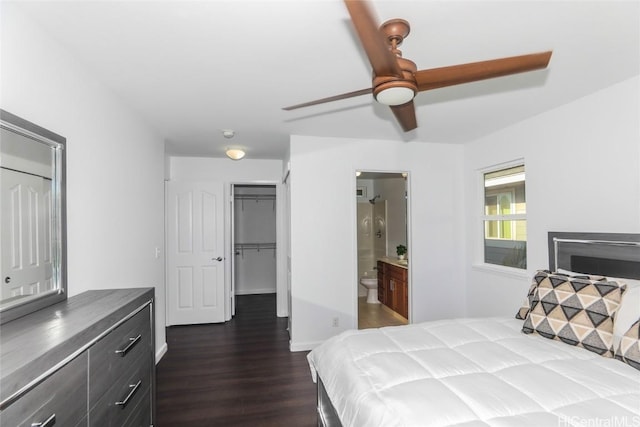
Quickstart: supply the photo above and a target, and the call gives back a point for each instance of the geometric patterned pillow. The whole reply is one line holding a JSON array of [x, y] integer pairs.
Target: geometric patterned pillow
[[539, 277], [575, 311], [629, 347], [526, 304]]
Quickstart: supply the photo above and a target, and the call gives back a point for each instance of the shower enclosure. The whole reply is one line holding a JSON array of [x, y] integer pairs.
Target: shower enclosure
[[372, 236]]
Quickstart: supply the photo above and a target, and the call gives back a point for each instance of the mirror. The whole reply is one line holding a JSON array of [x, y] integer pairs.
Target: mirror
[[32, 217]]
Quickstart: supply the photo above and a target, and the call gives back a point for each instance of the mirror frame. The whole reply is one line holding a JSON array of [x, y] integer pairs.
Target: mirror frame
[[32, 131]]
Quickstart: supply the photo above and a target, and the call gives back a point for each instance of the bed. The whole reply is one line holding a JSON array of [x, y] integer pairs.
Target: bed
[[504, 371]]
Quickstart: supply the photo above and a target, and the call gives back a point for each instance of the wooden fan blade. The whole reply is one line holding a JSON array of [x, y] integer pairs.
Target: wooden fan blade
[[383, 62], [464, 73], [406, 115], [331, 98]]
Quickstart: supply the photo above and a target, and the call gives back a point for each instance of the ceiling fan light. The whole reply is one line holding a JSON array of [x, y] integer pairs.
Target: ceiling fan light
[[395, 95], [235, 153]]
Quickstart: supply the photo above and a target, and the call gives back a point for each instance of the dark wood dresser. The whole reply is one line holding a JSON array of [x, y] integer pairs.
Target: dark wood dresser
[[88, 361]]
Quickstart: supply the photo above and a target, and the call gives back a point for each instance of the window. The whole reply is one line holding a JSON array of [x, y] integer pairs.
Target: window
[[505, 224]]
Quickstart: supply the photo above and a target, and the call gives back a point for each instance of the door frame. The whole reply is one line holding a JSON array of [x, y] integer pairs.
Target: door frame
[[282, 309], [354, 218]]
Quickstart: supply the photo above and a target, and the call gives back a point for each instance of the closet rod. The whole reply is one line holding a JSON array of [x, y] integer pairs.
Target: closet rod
[[255, 246], [255, 196], [241, 247]]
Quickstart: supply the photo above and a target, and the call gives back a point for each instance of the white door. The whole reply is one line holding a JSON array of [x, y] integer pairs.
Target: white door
[[26, 239], [195, 253]]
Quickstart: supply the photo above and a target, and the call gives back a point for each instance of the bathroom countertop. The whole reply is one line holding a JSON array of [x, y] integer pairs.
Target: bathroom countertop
[[393, 261]]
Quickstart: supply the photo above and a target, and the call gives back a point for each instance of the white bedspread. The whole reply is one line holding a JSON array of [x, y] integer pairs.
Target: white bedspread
[[472, 372]]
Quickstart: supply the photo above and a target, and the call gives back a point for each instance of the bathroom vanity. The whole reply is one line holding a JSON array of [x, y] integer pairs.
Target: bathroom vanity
[[86, 361], [393, 286]]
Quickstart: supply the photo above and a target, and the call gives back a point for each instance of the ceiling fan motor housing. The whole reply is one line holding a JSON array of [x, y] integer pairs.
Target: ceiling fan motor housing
[[392, 90]]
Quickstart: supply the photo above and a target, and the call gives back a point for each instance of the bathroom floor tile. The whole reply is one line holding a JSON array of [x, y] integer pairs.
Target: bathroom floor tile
[[377, 315]]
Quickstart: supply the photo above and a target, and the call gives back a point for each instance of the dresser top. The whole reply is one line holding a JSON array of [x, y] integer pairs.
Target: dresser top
[[33, 344]]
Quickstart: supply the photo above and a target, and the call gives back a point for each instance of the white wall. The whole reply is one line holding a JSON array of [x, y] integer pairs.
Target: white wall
[[323, 234], [245, 171], [582, 165], [225, 170], [114, 163]]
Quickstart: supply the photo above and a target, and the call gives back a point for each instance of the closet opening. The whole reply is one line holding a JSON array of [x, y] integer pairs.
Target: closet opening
[[254, 261]]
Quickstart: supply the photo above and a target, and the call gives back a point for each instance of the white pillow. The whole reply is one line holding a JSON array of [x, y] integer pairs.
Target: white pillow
[[629, 311], [573, 273]]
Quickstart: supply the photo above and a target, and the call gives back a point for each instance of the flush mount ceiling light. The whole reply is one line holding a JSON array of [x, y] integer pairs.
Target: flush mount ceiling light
[[235, 153], [232, 153], [396, 95]]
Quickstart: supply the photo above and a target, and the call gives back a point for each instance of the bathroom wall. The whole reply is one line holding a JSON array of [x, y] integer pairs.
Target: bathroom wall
[[365, 241], [372, 238], [369, 190], [380, 227], [393, 190]]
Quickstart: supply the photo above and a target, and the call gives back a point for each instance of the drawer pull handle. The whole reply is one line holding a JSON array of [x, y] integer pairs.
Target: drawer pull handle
[[132, 342], [134, 388], [46, 423]]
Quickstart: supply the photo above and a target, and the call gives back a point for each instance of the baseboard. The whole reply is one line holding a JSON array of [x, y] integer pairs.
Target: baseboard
[[161, 352], [303, 346], [256, 291]]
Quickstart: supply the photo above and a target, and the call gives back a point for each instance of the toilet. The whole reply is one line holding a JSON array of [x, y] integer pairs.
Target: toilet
[[371, 283]]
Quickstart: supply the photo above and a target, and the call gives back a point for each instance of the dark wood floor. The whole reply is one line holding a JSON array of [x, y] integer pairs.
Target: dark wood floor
[[240, 373]]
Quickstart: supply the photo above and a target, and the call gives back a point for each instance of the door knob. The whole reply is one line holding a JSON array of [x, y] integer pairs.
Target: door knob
[[217, 259], [7, 279]]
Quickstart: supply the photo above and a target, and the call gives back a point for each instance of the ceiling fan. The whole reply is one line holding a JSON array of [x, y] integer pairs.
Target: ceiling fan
[[397, 80]]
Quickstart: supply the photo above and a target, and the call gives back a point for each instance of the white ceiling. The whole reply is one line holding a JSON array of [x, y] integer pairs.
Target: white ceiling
[[193, 68]]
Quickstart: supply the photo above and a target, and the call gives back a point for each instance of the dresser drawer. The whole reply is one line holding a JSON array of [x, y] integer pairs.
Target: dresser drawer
[[125, 397], [114, 354], [141, 416], [61, 398]]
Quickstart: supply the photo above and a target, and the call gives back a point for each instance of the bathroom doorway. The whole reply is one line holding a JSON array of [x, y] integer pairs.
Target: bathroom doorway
[[382, 242]]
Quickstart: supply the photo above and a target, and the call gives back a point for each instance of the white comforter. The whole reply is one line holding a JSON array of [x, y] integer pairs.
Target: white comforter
[[472, 372]]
